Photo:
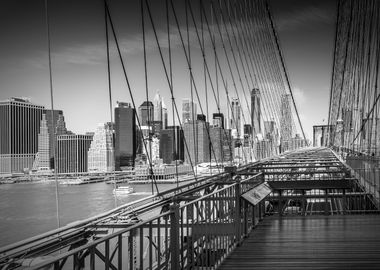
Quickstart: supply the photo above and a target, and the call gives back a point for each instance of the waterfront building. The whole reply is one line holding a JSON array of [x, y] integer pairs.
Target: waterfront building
[[146, 113], [171, 144], [125, 136], [235, 117], [19, 127], [197, 140], [256, 112], [189, 111], [221, 142], [42, 159], [101, 153], [72, 153], [56, 126]]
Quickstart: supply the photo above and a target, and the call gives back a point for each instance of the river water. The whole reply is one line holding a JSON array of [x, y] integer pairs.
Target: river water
[[29, 209]]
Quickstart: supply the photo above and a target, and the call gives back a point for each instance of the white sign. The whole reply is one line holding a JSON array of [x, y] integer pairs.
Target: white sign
[[255, 195]]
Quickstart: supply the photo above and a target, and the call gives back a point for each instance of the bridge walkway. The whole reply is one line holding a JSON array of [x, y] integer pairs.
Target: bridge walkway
[[311, 242]]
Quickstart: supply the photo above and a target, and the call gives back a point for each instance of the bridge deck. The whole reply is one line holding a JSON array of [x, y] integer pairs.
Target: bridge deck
[[312, 242]]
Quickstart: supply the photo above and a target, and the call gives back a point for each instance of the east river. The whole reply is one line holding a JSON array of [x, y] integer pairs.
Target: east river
[[29, 209]]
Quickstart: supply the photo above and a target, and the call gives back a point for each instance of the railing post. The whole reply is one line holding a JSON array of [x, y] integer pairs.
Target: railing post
[[174, 236], [237, 210]]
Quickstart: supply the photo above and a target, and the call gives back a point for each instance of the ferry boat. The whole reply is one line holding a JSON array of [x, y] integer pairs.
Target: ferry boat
[[123, 190]]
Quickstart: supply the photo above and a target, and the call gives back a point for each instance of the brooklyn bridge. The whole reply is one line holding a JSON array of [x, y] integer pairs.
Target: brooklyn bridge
[[257, 192]]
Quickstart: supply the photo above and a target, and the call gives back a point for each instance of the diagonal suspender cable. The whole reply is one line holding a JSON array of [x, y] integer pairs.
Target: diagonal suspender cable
[[170, 85], [126, 79], [284, 68]]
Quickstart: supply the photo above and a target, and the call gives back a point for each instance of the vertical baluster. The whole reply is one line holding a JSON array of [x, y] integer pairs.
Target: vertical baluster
[[120, 251], [107, 254]]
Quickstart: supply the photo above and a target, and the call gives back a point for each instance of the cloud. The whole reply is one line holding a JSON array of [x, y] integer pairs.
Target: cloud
[[299, 96], [307, 16]]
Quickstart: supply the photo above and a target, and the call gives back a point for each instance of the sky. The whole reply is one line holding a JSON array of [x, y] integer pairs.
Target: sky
[[305, 29]]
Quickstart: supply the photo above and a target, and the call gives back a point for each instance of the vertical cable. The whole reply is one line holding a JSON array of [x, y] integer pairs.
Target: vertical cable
[[52, 111]]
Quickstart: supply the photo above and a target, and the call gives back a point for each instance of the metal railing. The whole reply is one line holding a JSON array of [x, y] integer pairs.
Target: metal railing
[[197, 233]]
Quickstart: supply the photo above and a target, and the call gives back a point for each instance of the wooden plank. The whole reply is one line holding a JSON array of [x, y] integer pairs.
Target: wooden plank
[[312, 242], [311, 184]]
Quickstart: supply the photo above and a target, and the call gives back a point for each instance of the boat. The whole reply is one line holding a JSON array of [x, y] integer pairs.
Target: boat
[[123, 190]]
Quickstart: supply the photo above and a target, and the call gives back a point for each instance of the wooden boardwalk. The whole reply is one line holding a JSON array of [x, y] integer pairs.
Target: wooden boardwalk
[[311, 242]]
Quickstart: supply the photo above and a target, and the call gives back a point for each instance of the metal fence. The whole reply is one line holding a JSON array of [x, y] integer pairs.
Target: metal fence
[[367, 170], [197, 232]]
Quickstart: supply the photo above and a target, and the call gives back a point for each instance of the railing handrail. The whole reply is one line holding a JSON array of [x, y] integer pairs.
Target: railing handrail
[[78, 225]]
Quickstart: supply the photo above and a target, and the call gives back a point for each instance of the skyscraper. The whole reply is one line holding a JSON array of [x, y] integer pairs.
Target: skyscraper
[[146, 113], [171, 144], [56, 126], [197, 141], [218, 120], [189, 111], [101, 153], [43, 156], [157, 102], [125, 136], [72, 153], [164, 115], [256, 112], [235, 116], [19, 127]]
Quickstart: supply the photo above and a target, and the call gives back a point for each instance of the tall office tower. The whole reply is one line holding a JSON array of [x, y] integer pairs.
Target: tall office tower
[[164, 115], [157, 102], [156, 128], [171, 144], [19, 127], [125, 136], [235, 116], [101, 153], [56, 126], [218, 120], [197, 141], [228, 146], [256, 112], [146, 113], [217, 140], [189, 111], [72, 153], [43, 155], [286, 119], [271, 134], [247, 135]]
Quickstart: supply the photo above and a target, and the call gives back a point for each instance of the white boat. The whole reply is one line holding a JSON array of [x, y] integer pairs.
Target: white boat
[[123, 190]]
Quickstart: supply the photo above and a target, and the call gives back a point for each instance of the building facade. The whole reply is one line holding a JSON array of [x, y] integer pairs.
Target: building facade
[[125, 136], [101, 153], [197, 141], [235, 117], [255, 112], [19, 127], [189, 111], [146, 113], [72, 153], [171, 144], [42, 159]]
